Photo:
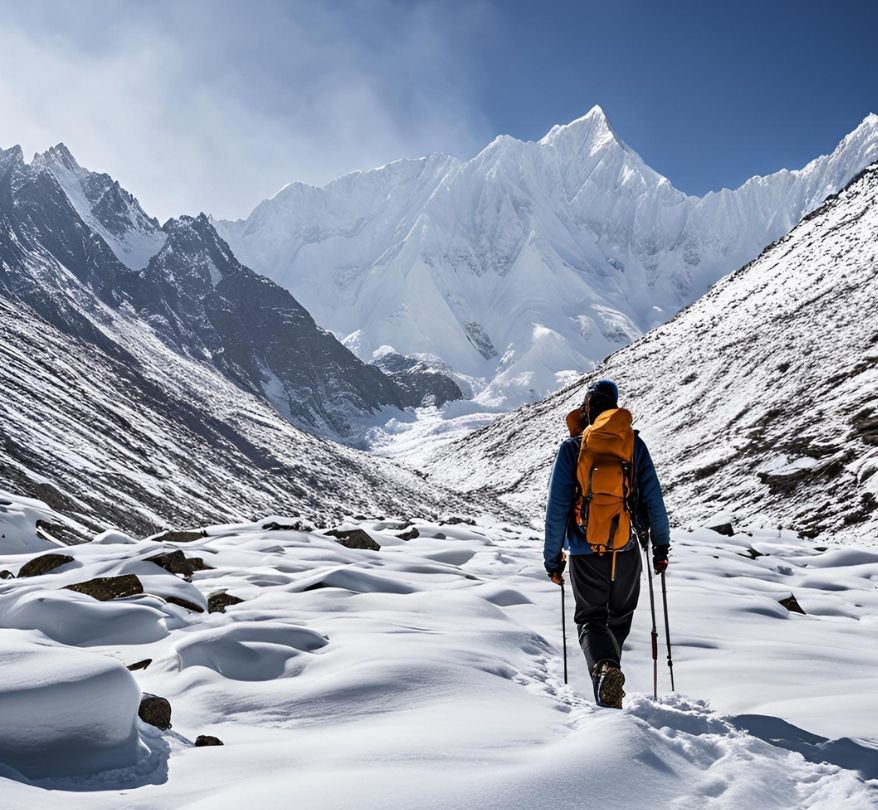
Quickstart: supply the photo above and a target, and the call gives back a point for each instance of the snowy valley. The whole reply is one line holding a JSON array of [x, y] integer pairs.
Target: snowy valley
[[424, 671], [189, 558]]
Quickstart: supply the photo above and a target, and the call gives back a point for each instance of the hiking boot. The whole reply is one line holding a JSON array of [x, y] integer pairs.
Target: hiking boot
[[608, 685]]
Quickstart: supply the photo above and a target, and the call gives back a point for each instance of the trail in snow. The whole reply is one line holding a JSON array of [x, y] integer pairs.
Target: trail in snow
[[428, 674]]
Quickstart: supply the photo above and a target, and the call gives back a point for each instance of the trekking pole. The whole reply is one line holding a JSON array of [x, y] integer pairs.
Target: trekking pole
[[667, 630], [644, 544], [564, 629]]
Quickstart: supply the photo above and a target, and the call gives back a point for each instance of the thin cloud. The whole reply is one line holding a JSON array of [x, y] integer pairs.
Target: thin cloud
[[214, 106]]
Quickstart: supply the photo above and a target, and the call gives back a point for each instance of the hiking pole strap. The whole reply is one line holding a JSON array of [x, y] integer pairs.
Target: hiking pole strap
[[667, 630]]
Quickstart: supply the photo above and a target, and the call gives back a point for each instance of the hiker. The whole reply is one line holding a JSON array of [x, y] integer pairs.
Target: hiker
[[604, 495]]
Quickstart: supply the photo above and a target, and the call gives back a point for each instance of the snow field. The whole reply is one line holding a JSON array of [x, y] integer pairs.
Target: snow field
[[428, 673]]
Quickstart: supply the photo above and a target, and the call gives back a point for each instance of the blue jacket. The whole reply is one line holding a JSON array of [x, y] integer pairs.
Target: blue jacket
[[561, 529]]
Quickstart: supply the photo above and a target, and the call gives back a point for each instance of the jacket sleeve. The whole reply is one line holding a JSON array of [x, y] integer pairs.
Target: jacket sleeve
[[562, 487], [652, 504]]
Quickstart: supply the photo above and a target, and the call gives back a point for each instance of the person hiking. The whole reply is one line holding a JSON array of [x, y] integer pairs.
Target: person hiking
[[604, 495]]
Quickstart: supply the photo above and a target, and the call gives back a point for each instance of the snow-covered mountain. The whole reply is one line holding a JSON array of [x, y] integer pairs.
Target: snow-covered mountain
[[106, 207], [526, 265], [134, 398], [62, 219], [759, 398]]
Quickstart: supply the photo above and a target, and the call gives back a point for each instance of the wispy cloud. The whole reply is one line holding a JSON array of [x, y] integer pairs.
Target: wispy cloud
[[213, 105]]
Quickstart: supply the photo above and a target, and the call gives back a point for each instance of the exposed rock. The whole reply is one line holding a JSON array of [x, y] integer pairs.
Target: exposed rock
[[455, 520], [105, 588], [183, 536], [218, 602], [183, 603], [139, 664], [7, 575], [752, 553], [354, 538], [411, 534], [155, 710], [205, 739], [421, 382], [297, 526], [792, 605], [44, 564], [723, 528], [58, 533], [176, 562]]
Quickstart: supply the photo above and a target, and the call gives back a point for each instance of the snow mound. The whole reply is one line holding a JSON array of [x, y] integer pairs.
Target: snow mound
[[429, 673], [64, 711], [22, 522]]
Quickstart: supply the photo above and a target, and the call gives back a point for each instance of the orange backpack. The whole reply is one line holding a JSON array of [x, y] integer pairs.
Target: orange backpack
[[605, 478]]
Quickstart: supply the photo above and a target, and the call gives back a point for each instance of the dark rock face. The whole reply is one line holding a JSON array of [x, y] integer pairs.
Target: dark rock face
[[155, 710], [792, 605], [43, 564], [724, 529], [176, 562], [106, 588], [410, 534], [206, 304], [139, 664], [354, 538], [205, 739], [218, 602], [6, 575], [421, 383]]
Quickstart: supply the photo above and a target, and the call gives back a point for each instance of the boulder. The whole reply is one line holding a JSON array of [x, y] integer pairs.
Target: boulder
[[411, 534], [354, 538], [43, 564], [752, 553], [105, 588], [183, 603], [176, 562], [295, 526], [792, 605], [218, 602], [139, 664], [155, 710], [724, 529], [7, 575], [182, 536], [205, 739]]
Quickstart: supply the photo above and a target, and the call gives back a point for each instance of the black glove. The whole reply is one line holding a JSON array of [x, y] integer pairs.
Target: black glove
[[660, 558], [556, 568]]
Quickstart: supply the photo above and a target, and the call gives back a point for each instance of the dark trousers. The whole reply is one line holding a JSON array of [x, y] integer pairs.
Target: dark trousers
[[604, 609]]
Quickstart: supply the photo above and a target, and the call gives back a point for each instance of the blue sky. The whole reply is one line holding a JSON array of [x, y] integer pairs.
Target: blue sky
[[213, 105]]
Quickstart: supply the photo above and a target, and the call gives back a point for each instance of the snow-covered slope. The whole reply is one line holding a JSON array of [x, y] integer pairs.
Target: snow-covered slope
[[762, 397], [428, 674], [152, 439], [526, 265], [193, 293], [105, 207], [110, 420]]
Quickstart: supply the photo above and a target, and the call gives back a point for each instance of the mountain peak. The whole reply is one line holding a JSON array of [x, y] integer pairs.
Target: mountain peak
[[58, 154], [594, 125], [11, 155]]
